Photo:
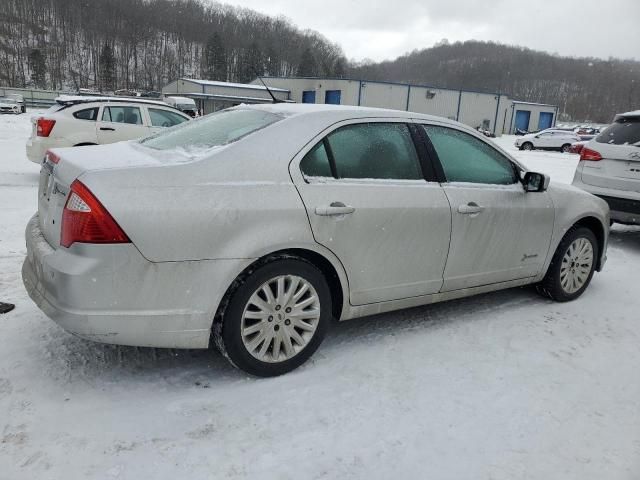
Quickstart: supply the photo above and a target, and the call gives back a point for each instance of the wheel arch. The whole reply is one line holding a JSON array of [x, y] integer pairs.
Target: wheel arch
[[330, 267], [598, 229]]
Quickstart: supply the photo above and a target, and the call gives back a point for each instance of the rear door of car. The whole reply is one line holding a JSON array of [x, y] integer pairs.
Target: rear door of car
[[121, 121], [499, 232], [372, 200], [619, 146]]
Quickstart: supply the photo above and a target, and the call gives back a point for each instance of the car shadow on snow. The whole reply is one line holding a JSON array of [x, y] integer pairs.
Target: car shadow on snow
[[70, 358]]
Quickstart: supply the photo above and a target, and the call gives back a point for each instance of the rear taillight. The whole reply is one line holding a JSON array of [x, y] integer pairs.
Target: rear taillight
[[590, 155], [85, 220], [44, 127], [51, 157]]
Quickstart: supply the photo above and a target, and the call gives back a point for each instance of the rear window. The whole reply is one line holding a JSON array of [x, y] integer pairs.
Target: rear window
[[220, 128], [625, 131]]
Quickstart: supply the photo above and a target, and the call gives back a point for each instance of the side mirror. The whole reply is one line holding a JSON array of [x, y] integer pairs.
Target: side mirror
[[535, 182]]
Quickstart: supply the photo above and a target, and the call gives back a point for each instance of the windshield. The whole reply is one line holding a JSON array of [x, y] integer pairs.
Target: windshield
[[625, 131], [6, 100], [220, 128]]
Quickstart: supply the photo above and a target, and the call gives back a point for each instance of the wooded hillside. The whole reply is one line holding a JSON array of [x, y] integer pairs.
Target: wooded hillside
[[112, 44], [584, 88]]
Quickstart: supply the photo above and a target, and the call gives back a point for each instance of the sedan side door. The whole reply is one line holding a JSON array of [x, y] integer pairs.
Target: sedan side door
[[369, 202], [499, 232]]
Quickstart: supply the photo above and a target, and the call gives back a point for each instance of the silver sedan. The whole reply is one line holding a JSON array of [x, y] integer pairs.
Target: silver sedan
[[253, 227]]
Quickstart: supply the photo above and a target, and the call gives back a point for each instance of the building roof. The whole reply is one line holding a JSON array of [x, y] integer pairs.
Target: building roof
[[534, 104], [213, 83]]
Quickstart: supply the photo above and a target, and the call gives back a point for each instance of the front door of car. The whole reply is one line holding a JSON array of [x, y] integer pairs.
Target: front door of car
[[369, 203], [499, 232], [120, 122]]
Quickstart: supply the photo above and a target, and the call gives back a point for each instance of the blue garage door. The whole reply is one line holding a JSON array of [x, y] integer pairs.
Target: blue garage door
[[522, 120], [546, 120], [332, 97], [309, 96]]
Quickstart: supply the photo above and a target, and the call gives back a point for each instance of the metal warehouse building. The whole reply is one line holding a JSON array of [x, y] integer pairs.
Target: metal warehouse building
[[211, 96], [491, 111], [495, 112]]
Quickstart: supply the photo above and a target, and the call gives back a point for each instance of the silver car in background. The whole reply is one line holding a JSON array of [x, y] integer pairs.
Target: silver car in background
[[253, 227], [610, 167]]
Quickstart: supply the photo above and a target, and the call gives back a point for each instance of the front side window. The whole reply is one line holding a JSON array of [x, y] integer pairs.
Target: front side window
[[90, 114], [376, 151], [625, 131], [164, 118], [122, 114], [464, 158], [219, 128]]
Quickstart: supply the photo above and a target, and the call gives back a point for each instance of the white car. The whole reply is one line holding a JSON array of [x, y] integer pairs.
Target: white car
[[9, 105], [610, 168], [78, 121], [550, 139]]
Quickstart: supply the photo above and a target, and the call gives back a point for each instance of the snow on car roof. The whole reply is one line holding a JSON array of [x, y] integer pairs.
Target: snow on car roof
[[635, 113], [71, 99], [345, 111]]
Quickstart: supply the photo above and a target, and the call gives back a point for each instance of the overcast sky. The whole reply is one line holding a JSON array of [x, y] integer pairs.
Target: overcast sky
[[382, 30]]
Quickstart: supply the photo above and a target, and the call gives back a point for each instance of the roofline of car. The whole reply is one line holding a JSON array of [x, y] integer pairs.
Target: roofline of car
[[70, 103]]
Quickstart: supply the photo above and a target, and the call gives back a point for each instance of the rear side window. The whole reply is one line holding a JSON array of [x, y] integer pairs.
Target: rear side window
[[375, 150], [87, 114], [120, 114], [316, 162], [466, 159], [625, 131], [164, 118]]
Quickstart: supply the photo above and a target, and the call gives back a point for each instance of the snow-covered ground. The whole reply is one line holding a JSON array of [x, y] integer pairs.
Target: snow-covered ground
[[501, 386]]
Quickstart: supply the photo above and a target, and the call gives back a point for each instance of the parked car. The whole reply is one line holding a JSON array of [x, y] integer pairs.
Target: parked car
[[551, 139], [609, 167], [184, 104], [254, 226], [80, 121], [577, 147], [19, 99], [9, 105]]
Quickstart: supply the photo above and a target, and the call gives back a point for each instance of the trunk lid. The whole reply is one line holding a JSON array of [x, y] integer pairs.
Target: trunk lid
[[56, 178]]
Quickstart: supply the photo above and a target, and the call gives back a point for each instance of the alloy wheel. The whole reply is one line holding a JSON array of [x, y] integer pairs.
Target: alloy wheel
[[576, 266], [280, 318]]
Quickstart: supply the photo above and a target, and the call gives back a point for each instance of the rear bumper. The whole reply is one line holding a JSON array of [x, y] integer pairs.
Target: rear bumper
[[624, 206], [111, 294]]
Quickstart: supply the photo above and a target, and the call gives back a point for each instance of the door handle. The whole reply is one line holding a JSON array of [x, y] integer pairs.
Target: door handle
[[470, 208], [107, 129], [336, 208]]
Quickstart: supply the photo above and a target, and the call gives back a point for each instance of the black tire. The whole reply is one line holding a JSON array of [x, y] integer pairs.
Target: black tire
[[24, 109], [551, 284], [227, 329], [565, 148], [527, 146]]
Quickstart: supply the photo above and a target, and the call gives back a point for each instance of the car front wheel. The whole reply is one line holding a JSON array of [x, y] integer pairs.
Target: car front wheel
[[527, 146], [276, 319], [572, 266], [565, 148]]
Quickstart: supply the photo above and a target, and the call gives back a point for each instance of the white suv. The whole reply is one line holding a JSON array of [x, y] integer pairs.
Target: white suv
[[550, 139], [610, 168], [77, 121]]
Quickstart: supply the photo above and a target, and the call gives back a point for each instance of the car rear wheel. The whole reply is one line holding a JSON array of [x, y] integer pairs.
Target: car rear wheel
[[572, 266], [276, 319], [527, 146], [565, 148]]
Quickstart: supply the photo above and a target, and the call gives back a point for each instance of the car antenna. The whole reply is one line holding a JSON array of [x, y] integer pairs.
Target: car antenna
[[275, 100]]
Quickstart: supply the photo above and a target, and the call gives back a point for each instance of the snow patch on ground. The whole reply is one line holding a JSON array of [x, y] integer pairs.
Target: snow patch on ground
[[500, 386]]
